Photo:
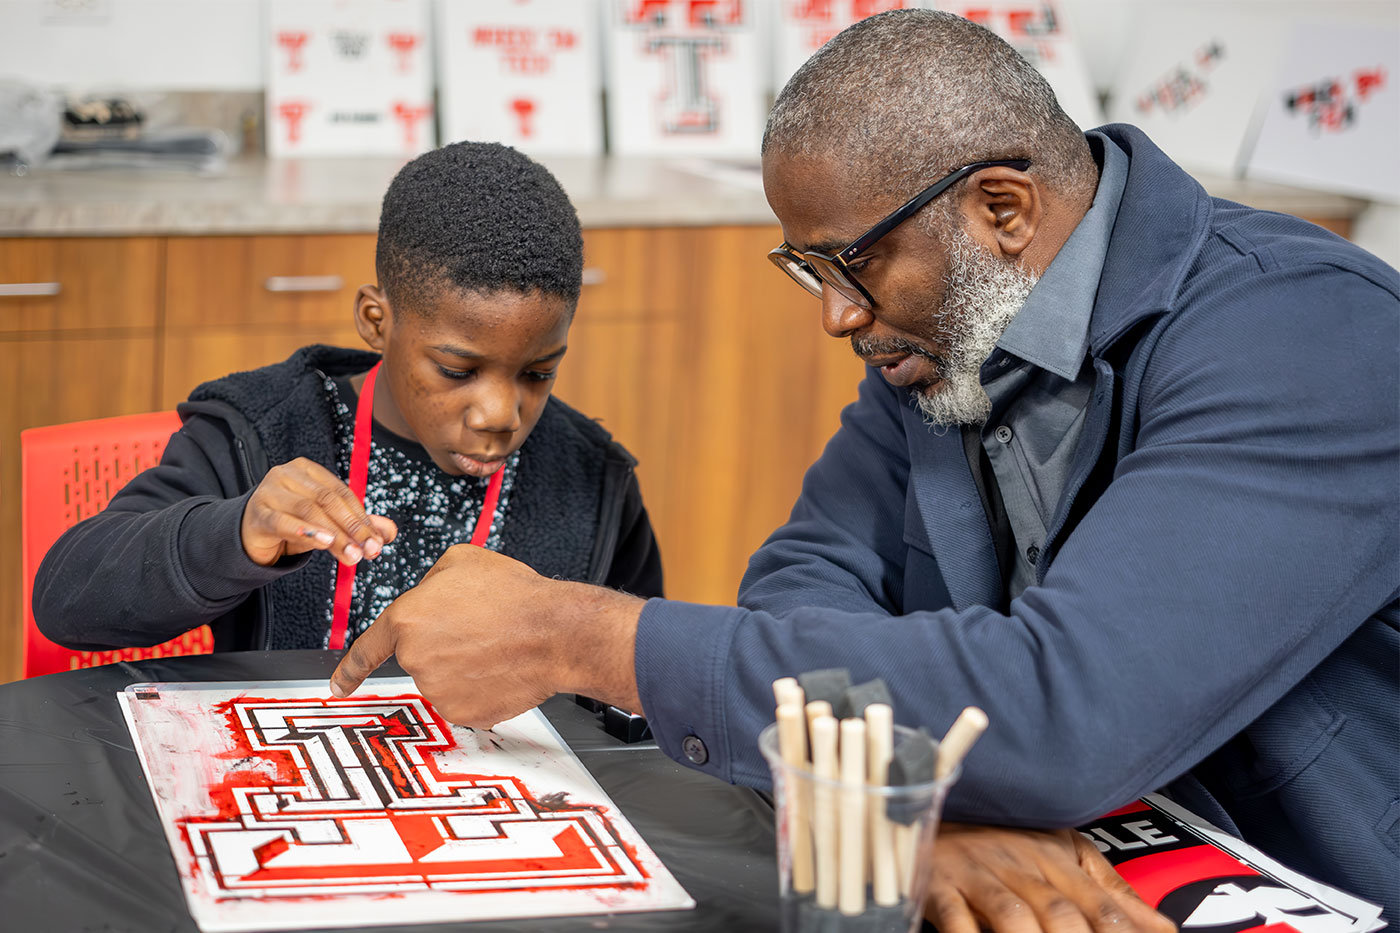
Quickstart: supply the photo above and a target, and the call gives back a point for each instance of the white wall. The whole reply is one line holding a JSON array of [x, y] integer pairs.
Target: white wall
[[215, 44], [119, 45]]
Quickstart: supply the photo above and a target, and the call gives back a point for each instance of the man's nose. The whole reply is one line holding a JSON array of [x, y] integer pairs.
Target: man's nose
[[495, 411], [842, 317]]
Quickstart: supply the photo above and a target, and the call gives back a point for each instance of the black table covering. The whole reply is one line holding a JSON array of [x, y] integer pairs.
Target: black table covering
[[82, 849]]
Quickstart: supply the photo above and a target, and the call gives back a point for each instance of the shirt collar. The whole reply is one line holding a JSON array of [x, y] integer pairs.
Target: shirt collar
[[1052, 329]]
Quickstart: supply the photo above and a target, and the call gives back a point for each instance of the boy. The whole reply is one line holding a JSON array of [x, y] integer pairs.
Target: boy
[[248, 524]]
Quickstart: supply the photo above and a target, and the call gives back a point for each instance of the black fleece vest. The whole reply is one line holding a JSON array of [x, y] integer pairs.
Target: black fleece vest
[[555, 506]]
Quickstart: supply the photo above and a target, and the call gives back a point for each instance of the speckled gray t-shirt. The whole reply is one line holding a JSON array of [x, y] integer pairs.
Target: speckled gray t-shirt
[[432, 509]]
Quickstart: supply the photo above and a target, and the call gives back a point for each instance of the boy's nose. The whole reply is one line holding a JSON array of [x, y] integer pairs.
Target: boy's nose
[[496, 412]]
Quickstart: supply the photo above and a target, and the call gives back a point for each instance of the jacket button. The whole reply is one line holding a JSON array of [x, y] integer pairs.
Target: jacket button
[[1032, 554], [695, 751], [1003, 434]]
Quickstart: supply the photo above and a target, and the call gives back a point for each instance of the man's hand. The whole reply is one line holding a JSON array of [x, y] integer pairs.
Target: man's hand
[[301, 506], [486, 638], [1026, 881]]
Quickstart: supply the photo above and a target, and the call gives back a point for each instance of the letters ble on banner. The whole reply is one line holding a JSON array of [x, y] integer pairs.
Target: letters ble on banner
[[526, 73], [685, 77], [349, 77]]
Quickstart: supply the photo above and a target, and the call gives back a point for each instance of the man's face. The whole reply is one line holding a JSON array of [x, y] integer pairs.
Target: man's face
[[941, 300]]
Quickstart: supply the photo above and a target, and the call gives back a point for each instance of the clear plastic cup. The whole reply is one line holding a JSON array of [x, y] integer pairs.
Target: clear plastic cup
[[826, 828]]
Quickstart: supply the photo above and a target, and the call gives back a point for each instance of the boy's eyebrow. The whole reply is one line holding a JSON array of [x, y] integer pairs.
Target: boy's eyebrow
[[466, 354]]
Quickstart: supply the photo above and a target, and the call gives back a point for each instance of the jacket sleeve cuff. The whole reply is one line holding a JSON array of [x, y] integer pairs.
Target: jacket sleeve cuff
[[210, 548], [682, 653]]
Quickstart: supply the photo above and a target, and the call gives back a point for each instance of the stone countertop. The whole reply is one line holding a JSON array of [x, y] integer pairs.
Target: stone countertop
[[342, 196]]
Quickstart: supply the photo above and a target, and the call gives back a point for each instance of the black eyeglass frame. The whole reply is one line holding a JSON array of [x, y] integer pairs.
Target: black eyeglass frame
[[802, 270]]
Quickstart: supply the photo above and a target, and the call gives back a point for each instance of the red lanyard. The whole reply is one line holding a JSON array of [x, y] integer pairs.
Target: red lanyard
[[359, 477]]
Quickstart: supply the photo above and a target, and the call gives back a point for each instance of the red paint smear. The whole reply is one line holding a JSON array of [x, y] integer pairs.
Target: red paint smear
[[221, 792], [1158, 874], [576, 854], [419, 832], [271, 849], [1272, 928]]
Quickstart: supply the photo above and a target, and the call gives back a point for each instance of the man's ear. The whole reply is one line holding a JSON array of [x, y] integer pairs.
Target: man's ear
[[373, 316], [1005, 209]]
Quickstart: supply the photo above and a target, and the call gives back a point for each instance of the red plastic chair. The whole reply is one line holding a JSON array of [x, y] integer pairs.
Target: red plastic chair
[[71, 471]]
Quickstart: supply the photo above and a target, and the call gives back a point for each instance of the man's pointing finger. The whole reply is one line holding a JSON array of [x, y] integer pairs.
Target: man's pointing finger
[[365, 656]]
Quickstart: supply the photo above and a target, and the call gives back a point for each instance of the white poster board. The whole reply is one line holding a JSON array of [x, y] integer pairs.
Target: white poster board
[[1039, 31], [685, 77], [1332, 113], [803, 26], [286, 808], [349, 77], [1193, 77], [527, 73]]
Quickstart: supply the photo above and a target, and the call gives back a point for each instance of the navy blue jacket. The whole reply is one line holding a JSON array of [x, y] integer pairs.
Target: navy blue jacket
[[1216, 607]]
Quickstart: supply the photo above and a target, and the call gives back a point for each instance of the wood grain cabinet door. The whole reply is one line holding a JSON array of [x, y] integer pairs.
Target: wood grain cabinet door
[[237, 303], [79, 283], [272, 281], [712, 368]]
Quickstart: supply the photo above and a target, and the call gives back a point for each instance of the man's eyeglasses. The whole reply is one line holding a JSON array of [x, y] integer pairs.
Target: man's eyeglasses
[[812, 270]]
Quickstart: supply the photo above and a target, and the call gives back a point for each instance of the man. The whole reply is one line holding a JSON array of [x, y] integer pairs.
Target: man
[[1123, 472]]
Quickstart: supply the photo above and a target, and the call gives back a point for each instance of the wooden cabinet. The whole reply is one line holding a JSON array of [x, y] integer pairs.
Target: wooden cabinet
[[707, 363], [235, 303], [266, 281], [713, 370], [85, 349], [79, 284]]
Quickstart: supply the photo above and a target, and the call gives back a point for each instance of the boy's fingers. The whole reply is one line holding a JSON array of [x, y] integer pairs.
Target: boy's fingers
[[365, 655], [340, 504], [302, 535], [335, 498], [384, 528]]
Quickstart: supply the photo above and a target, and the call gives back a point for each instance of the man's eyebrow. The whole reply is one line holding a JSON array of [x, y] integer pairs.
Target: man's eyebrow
[[830, 247]]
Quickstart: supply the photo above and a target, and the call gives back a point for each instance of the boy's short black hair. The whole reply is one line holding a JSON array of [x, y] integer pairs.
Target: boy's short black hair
[[479, 216]]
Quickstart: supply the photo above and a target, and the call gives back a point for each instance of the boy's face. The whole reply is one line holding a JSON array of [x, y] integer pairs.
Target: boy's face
[[469, 378]]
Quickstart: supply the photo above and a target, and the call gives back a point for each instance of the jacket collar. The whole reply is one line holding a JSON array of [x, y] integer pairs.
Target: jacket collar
[[1163, 219]]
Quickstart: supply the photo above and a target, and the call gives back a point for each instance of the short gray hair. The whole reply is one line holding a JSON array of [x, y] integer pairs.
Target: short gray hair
[[907, 96]]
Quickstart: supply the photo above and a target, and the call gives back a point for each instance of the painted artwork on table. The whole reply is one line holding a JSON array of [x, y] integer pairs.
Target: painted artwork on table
[[287, 808]]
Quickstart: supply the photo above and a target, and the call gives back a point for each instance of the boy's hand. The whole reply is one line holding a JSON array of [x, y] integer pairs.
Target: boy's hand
[[485, 638], [1027, 881], [301, 506]]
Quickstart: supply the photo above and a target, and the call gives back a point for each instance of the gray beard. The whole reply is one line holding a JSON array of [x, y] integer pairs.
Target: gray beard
[[981, 295]]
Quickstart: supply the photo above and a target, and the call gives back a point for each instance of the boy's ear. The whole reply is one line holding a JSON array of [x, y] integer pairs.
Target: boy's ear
[[373, 316]]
